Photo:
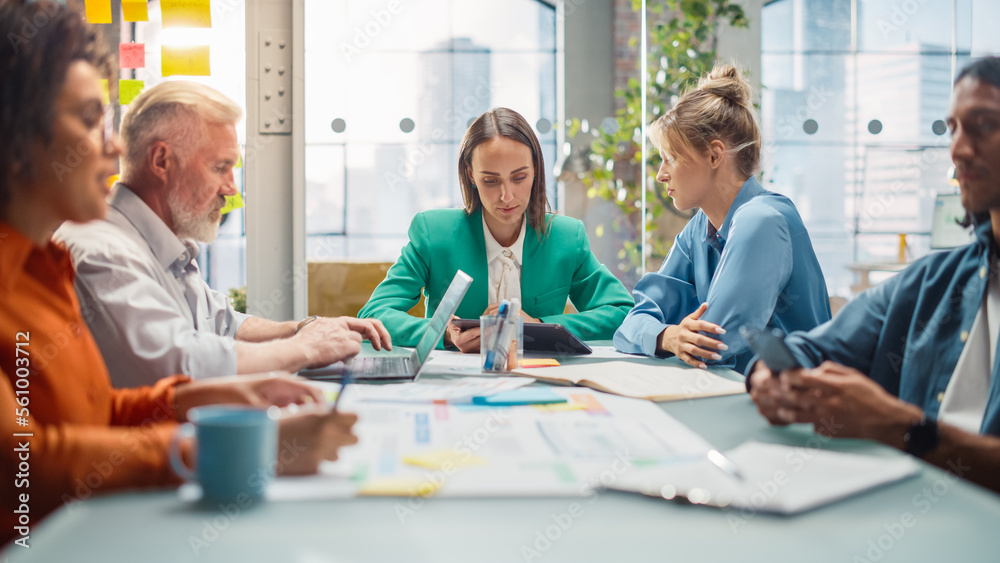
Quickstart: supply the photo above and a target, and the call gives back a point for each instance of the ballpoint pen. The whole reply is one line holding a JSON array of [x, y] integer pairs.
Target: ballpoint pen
[[347, 380], [725, 464]]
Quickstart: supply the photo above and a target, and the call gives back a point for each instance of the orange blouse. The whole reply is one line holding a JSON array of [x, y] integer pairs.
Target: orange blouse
[[82, 436]]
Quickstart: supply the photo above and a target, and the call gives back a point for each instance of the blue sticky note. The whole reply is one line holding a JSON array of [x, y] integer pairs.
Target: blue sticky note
[[522, 396]]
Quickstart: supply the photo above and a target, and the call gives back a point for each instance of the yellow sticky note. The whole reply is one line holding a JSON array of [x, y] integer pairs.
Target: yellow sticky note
[[186, 13], [98, 11], [105, 93], [234, 202], [112, 179], [538, 363], [187, 61], [558, 407], [135, 11], [239, 161], [399, 487], [128, 89], [441, 458]]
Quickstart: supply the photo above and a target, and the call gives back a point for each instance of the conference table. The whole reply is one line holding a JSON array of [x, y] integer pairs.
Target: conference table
[[931, 517]]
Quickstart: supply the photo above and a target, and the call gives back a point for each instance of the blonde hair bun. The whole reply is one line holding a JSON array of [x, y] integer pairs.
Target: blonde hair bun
[[727, 82]]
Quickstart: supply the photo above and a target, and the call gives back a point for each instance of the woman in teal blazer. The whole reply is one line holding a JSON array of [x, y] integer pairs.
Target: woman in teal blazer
[[498, 161]]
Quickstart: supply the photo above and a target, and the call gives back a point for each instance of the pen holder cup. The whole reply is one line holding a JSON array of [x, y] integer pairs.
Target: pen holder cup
[[501, 343]]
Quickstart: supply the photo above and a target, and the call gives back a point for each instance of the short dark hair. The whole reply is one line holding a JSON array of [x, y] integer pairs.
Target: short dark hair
[[503, 122], [39, 40], [986, 70]]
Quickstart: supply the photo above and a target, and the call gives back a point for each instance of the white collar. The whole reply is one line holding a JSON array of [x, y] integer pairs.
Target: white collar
[[494, 249]]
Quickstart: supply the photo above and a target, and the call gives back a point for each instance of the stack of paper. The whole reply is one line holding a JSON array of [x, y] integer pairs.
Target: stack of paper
[[776, 478]]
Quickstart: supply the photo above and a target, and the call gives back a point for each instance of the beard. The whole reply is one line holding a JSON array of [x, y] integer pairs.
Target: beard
[[189, 224]]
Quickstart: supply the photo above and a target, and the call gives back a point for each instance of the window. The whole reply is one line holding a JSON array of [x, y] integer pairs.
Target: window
[[390, 88], [853, 117]]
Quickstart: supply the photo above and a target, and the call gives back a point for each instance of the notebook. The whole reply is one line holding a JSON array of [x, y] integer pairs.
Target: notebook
[[398, 367], [641, 381], [778, 479]]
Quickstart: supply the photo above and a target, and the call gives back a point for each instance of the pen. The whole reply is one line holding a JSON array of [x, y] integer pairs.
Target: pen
[[347, 380], [491, 347], [725, 464]]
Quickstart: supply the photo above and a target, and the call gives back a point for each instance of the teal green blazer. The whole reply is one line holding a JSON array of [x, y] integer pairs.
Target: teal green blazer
[[559, 266]]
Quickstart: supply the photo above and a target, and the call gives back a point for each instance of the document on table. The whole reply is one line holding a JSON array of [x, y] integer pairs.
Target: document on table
[[454, 390], [777, 478], [465, 450], [641, 381]]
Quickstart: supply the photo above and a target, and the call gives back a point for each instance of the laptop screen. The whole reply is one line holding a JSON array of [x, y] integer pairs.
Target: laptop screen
[[945, 230], [449, 304]]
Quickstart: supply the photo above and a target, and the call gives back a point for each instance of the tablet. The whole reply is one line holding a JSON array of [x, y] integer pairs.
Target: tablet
[[541, 337]]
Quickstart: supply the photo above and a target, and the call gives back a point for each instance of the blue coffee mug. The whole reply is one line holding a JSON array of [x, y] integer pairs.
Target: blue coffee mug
[[236, 453]]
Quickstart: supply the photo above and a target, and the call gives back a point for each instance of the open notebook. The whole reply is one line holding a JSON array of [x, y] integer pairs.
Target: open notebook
[[641, 381], [778, 479]]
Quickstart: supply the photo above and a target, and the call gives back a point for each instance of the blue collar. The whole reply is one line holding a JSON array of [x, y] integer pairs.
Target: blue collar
[[749, 190]]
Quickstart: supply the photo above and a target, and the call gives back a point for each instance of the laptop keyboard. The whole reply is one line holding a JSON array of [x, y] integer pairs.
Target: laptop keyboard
[[379, 366]]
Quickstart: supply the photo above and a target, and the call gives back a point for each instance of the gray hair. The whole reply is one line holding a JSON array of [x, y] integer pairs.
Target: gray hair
[[174, 112]]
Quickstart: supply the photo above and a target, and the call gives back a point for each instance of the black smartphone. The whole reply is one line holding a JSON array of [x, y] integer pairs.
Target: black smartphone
[[770, 346]]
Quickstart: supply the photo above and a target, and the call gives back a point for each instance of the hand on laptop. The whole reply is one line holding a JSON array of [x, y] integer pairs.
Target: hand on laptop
[[328, 340]]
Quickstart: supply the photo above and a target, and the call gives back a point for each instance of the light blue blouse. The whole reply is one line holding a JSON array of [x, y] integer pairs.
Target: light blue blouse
[[758, 270]]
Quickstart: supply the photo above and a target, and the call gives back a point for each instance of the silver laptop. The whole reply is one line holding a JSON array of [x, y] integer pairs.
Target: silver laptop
[[400, 367]]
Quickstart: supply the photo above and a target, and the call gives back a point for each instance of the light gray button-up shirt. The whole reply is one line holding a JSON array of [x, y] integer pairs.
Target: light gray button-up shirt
[[143, 297]]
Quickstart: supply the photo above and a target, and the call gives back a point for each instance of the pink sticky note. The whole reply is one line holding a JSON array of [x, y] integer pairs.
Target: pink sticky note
[[132, 55]]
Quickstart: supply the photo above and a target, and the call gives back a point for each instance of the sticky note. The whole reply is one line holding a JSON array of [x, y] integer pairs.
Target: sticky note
[[559, 407], [399, 487], [441, 458], [135, 11], [131, 55], [112, 179], [98, 11], [234, 202], [239, 161], [188, 61], [105, 93], [522, 396], [538, 363], [128, 89], [186, 13]]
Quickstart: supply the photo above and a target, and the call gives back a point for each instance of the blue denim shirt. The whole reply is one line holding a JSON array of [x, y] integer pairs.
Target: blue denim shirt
[[908, 332], [759, 269]]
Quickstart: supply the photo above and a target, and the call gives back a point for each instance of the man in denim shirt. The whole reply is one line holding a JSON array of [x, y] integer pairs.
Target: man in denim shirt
[[912, 363]]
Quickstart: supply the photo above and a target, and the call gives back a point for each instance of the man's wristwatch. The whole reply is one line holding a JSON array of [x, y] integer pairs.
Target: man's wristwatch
[[922, 437], [305, 321]]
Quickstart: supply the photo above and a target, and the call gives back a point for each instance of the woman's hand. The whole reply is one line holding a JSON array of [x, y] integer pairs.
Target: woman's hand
[[684, 341], [495, 308], [278, 388], [467, 341]]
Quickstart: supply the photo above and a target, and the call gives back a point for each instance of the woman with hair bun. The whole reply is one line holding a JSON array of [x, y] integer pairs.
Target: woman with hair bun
[[509, 243], [744, 259]]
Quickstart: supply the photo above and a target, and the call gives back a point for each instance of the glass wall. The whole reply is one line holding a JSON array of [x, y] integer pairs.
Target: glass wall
[[390, 88], [853, 104]]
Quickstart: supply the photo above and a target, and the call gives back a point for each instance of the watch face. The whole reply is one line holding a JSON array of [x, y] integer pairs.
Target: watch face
[[922, 437]]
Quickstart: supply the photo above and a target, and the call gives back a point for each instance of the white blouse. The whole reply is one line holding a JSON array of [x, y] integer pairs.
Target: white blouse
[[504, 265]]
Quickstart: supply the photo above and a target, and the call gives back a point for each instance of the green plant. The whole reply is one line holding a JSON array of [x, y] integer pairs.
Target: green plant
[[238, 297], [682, 40]]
